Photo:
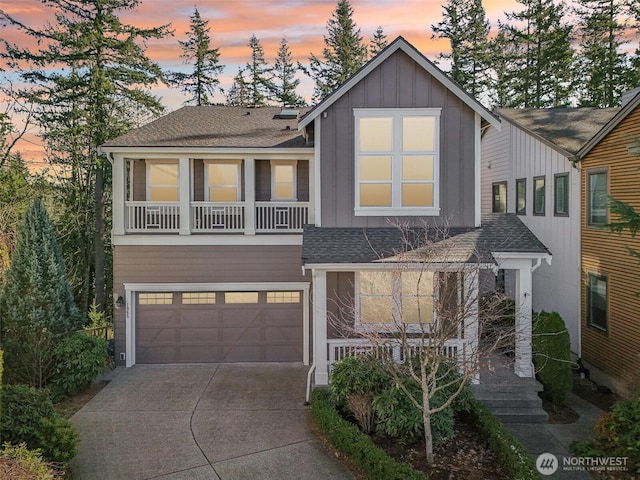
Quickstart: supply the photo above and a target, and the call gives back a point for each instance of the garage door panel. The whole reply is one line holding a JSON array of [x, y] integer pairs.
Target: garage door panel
[[194, 333]]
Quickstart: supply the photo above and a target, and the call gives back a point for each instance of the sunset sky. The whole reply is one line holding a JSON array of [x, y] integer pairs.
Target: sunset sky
[[232, 23]]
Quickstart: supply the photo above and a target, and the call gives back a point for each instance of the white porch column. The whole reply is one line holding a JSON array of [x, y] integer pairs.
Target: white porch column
[[319, 278], [471, 322], [249, 196], [524, 331], [118, 194], [184, 189]]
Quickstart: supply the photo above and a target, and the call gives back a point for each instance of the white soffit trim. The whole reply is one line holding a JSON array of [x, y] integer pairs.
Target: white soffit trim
[[206, 239], [400, 44], [521, 255], [404, 266], [208, 152]]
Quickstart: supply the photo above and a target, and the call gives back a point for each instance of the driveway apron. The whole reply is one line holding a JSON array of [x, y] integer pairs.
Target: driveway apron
[[208, 421]]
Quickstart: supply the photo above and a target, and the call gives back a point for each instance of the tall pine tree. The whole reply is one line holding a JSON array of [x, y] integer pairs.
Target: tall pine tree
[[88, 76], [464, 23], [603, 67], [378, 42], [541, 74], [202, 82], [37, 308], [259, 83], [285, 82], [343, 54], [238, 93]]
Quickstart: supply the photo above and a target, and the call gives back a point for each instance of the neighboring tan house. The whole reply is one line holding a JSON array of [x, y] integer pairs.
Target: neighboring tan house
[[528, 168], [610, 167], [238, 231]]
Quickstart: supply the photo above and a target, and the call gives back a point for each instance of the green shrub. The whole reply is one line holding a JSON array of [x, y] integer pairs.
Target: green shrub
[[347, 438], [29, 417], [361, 374], [509, 452], [616, 434], [552, 355], [25, 463], [80, 358]]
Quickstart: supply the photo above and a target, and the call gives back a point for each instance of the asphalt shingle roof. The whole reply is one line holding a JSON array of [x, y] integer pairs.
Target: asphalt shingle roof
[[497, 233], [567, 128], [216, 126]]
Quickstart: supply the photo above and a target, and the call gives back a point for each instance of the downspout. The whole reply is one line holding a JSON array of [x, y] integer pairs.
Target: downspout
[[313, 363]]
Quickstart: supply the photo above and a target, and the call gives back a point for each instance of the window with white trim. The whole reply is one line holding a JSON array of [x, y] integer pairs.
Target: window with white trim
[[222, 181], [162, 181], [395, 298], [283, 180], [396, 161]]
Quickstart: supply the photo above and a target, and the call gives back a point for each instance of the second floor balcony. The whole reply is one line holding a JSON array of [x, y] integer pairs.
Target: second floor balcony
[[211, 196]]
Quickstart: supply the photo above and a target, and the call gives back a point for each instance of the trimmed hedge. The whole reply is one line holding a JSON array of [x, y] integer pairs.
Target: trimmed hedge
[[348, 438], [552, 355], [510, 453]]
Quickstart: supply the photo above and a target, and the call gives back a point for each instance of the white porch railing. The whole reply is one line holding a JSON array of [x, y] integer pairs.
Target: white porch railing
[[217, 217], [152, 217], [352, 347], [281, 216]]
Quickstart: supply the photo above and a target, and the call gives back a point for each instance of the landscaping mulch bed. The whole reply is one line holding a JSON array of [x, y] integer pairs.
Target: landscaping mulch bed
[[71, 405], [599, 396], [464, 456]]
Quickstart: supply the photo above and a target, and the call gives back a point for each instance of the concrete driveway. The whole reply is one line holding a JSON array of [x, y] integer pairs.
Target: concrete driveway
[[209, 422]]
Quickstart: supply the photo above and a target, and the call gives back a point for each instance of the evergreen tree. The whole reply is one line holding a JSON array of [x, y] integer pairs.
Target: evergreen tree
[[603, 68], [378, 42], [238, 93], [86, 74], [285, 82], [259, 84], [465, 25], [541, 74], [202, 82], [37, 308], [343, 54]]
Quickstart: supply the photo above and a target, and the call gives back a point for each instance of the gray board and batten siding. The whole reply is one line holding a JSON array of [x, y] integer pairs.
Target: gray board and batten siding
[[398, 82]]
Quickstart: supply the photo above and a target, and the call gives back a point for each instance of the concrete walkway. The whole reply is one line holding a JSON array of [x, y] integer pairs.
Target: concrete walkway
[[557, 438], [201, 422]]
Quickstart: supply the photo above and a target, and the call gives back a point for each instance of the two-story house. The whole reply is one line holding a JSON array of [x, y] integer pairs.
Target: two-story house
[[529, 167], [238, 232], [610, 278]]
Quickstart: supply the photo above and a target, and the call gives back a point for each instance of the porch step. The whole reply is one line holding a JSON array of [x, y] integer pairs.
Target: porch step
[[511, 398]]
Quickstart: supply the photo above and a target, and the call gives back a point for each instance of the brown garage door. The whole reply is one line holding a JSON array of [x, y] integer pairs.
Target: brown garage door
[[192, 327]]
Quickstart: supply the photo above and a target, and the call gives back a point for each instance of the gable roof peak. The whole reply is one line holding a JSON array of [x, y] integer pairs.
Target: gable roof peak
[[400, 43]]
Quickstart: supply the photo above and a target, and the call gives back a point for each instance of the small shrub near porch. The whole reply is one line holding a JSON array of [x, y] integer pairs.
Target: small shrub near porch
[[552, 356]]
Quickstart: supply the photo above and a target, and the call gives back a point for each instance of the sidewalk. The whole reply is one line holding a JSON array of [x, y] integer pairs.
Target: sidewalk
[[556, 438]]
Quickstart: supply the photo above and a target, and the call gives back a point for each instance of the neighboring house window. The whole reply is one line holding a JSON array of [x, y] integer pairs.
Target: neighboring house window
[[597, 198], [395, 297], [397, 158], [597, 301], [499, 192], [521, 196], [162, 182], [538, 195], [561, 195], [283, 180], [223, 181]]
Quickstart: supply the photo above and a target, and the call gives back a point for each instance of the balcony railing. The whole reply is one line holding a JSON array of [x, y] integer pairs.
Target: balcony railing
[[215, 217], [152, 217], [277, 216]]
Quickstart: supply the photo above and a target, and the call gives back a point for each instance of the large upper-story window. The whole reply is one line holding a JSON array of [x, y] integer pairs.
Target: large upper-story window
[[223, 181], [397, 159], [162, 181], [283, 180]]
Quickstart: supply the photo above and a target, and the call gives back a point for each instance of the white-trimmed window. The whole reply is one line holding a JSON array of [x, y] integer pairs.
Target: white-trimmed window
[[397, 158], [222, 181], [162, 181], [283, 180], [394, 298]]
